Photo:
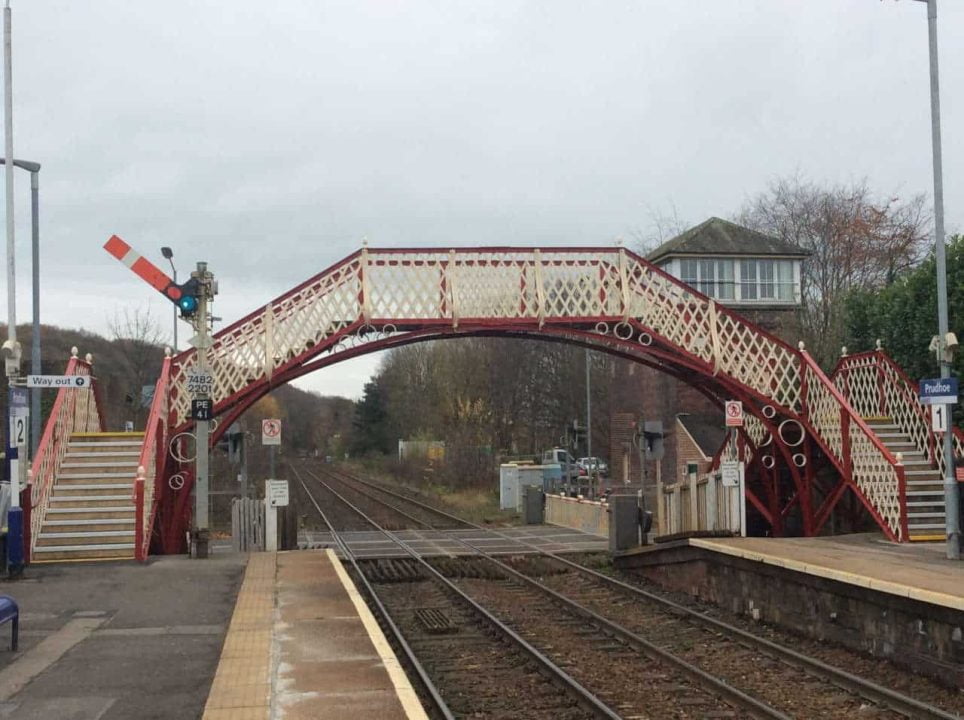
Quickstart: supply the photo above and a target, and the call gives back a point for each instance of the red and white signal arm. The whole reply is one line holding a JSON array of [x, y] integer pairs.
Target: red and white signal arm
[[733, 410], [271, 432]]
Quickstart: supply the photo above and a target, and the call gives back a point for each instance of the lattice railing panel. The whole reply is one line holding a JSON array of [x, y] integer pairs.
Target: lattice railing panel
[[877, 386], [854, 447]]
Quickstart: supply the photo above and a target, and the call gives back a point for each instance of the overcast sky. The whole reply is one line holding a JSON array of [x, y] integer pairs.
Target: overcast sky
[[270, 138]]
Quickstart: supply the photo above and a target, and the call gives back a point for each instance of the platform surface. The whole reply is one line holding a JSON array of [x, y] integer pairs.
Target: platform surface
[[117, 640], [498, 541], [915, 570], [302, 644]]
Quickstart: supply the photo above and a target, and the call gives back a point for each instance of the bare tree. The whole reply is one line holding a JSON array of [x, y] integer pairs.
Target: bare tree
[[856, 240], [138, 337], [662, 225]]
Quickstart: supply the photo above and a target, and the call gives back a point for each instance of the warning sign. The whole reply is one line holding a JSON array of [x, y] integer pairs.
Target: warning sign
[[271, 432], [734, 413]]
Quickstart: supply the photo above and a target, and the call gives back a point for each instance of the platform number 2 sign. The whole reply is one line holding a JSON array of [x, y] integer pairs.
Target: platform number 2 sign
[[939, 418], [19, 431]]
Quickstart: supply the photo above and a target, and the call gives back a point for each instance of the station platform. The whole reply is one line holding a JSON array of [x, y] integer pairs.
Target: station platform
[[903, 602], [302, 644], [117, 640], [917, 571]]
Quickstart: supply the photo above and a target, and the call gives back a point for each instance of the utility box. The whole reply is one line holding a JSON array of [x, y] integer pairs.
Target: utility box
[[624, 524], [532, 511], [513, 479], [508, 487]]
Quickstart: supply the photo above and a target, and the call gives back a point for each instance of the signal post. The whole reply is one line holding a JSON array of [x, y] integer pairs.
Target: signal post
[[193, 298]]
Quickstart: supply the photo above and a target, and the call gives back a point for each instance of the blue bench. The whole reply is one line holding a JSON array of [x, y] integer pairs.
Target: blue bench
[[9, 612]]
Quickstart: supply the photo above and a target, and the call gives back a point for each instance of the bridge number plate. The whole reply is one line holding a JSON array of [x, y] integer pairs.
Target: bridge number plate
[[200, 382]]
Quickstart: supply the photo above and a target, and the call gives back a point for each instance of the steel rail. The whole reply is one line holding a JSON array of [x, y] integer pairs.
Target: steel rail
[[583, 696], [423, 676], [878, 694], [707, 681]]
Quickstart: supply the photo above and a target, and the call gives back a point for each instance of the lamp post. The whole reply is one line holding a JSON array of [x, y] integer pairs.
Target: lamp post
[[169, 256], [952, 521], [35, 365]]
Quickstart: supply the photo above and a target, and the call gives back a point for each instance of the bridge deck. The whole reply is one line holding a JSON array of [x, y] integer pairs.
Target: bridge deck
[[502, 541]]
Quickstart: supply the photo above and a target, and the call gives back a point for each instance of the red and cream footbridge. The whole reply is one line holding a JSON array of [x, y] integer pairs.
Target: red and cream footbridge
[[800, 422]]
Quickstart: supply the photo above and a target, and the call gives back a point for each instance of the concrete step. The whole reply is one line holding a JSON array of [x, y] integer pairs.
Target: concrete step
[[914, 529], [101, 513], [80, 490], [107, 464], [93, 537], [76, 525], [105, 551], [93, 475], [106, 436], [92, 502], [134, 454], [104, 447]]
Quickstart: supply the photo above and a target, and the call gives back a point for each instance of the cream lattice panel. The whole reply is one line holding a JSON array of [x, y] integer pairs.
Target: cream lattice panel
[[876, 386], [471, 285], [379, 292], [874, 474]]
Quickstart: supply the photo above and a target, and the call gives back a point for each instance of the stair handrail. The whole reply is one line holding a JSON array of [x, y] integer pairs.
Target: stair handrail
[[856, 450], [61, 424], [877, 385], [150, 460]]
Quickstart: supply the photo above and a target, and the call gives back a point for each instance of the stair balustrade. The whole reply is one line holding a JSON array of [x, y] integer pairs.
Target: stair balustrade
[[74, 410], [151, 463]]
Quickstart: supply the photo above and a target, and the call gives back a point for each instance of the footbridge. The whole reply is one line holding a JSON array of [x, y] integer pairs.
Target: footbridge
[[860, 430]]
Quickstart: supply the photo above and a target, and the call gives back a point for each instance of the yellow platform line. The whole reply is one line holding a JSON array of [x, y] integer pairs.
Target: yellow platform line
[[242, 684], [914, 593], [403, 688]]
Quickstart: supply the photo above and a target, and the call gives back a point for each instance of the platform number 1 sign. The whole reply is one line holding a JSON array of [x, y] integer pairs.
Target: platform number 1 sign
[[939, 418]]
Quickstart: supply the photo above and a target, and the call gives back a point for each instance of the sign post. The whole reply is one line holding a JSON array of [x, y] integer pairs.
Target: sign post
[[941, 394], [200, 384], [271, 436], [275, 496], [17, 447]]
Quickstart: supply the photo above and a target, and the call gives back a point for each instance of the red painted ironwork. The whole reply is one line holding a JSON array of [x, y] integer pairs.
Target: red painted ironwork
[[605, 298]]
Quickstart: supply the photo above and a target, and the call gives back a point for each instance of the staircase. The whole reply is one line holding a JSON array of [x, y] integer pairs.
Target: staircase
[[91, 512], [925, 486]]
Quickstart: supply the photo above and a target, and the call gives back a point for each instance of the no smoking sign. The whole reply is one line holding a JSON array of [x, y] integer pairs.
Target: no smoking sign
[[733, 410]]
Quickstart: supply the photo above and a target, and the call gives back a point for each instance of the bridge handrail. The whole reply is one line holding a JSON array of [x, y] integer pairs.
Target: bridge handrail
[[876, 385], [68, 415], [394, 287], [147, 477], [857, 450]]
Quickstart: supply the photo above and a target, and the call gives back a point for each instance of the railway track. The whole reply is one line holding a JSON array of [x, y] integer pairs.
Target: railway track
[[639, 653]]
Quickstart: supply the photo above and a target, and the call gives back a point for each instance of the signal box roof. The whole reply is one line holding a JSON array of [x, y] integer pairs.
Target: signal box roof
[[722, 237]]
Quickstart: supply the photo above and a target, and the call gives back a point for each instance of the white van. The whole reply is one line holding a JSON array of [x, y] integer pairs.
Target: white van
[[562, 458]]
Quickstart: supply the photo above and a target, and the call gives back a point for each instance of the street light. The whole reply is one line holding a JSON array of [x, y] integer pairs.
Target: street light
[[952, 520], [169, 256], [35, 366]]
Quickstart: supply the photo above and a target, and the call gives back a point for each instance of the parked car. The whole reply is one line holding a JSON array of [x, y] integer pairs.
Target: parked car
[[593, 464]]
